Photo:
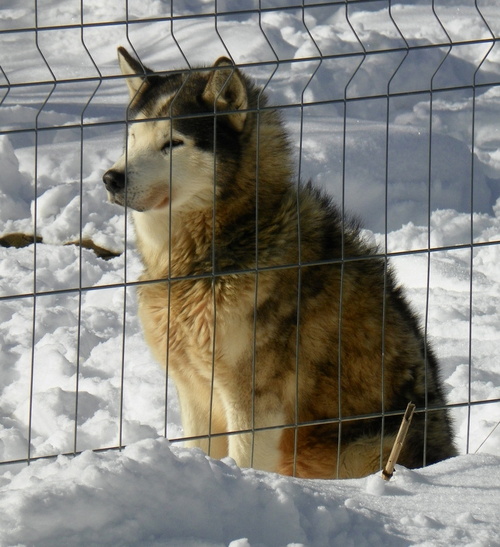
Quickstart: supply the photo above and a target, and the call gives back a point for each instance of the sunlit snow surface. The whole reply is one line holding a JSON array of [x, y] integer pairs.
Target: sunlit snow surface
[[90, 342]]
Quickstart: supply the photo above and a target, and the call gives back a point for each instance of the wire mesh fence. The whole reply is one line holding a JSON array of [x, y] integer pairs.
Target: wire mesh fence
[[392, 108]]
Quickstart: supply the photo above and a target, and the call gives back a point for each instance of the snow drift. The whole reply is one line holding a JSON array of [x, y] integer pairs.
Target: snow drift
[[75, 373]]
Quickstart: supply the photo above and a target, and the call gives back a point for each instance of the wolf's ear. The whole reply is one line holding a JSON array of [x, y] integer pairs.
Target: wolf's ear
[[131, 67], [226, 90]]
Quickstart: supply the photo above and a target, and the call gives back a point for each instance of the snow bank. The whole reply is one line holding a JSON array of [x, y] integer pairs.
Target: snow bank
[[152, 494], [74, 365], [16, 190]]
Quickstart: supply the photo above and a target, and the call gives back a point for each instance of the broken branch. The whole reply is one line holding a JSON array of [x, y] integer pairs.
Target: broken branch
[[388, 470]]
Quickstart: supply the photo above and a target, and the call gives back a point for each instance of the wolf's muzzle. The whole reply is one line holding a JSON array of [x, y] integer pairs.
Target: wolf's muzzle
[[114, 181]]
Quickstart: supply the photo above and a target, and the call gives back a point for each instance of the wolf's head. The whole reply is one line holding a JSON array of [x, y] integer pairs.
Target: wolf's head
[[185, 132]]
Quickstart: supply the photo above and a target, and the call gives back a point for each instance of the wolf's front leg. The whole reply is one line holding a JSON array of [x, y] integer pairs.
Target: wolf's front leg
[[198, 419], [258, 447]]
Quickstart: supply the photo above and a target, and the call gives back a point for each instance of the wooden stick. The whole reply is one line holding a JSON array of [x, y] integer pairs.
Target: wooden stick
[[388, 470]]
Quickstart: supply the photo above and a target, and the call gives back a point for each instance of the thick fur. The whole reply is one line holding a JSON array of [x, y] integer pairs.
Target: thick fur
[[266, 306]]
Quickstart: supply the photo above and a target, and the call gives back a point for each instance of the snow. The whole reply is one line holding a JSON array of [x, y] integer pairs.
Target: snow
[[152, 494], [78, 349]]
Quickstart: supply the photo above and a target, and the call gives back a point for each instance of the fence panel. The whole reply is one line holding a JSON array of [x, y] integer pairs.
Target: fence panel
[[392, 108]]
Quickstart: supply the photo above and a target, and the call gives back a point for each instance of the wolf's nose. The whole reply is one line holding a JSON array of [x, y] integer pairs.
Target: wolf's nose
[[114, 180]]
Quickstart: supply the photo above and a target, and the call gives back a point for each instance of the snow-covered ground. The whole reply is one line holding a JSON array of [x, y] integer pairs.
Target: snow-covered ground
[[75, 357]]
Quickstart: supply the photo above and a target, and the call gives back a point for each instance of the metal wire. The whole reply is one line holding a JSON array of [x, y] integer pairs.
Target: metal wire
[[361, 54]]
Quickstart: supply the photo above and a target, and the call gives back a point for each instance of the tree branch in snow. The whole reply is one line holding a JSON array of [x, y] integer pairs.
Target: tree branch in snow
[[388, 470]]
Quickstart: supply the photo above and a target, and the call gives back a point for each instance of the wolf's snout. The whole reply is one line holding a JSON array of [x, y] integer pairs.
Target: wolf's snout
[[114, 181]]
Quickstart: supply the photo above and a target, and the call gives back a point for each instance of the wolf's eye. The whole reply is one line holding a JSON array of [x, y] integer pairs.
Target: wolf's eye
[[174, 143]]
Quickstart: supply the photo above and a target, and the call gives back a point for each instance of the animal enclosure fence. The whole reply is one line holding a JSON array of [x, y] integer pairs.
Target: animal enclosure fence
[[393, 108]]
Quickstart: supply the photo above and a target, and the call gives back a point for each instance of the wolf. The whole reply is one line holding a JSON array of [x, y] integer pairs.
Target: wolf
[[291, 346]]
